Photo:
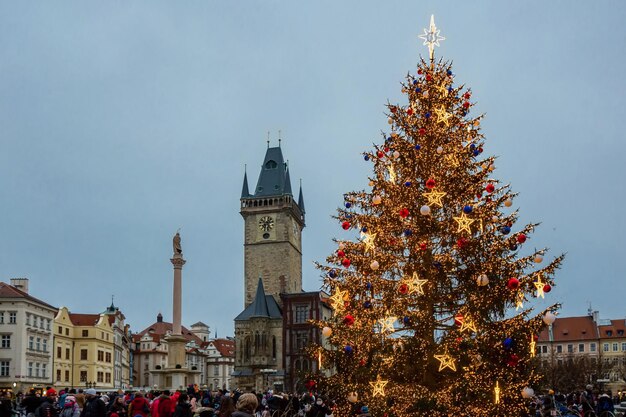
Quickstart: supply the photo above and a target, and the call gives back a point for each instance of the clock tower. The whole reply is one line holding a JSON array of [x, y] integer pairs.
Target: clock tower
[[273, 223]]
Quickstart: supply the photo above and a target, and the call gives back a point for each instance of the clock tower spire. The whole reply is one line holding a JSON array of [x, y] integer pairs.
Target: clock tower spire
[[273, 223]]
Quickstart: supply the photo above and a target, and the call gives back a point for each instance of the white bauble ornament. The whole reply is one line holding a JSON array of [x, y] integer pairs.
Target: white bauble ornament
[[374, 265], [377, 200], [390, 121], [327, 331], [425, 210], [440, 149], [342, 246], [353, 397], [482, 280], [549, 318], [538, 259], [425, 94], [508, 202], [528, 392], [396, 154], [495, 219]]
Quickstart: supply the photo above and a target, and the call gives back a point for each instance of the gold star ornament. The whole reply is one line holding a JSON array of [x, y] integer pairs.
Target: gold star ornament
[[468, 324], [368, 241], [434, 198], [445, 361], [443, 116], [378, 387], [539, 287], [415, 285], [386, 324], [464, 223], [338, 298]]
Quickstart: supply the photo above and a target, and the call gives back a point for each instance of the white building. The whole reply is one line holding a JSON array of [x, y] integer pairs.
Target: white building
[[26, 338], [220, 363]]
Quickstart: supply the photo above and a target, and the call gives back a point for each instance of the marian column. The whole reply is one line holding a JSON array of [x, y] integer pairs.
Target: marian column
[[178, 262]]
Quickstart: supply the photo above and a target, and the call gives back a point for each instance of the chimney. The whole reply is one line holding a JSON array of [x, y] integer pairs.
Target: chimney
[[596, 316], [20, 283]]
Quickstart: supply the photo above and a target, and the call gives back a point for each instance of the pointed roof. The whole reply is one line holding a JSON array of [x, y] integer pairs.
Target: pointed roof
[[244, 190], [262, 306], [9, 291], [301, 200], [274, 176]]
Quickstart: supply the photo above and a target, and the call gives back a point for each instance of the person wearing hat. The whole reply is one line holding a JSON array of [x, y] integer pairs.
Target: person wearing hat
[[47, 408], [70, 408], [365, 411], [94, 406]]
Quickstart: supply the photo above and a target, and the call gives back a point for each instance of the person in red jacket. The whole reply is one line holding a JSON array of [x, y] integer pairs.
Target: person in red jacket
[[166, 405], [139, 406]]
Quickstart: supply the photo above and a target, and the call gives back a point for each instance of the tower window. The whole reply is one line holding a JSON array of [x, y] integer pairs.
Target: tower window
[[271, 164]]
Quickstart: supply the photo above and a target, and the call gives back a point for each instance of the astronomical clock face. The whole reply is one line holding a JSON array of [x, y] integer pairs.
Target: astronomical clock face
[[266, 223]]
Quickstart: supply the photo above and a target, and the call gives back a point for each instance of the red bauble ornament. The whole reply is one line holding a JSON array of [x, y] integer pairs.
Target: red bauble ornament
[[490, 188], [513, 284], [422, 131], [310, 384], [419, 71], [404, 213], [467, 96], [521, 238], [345, 225], [341, 253], [386, 149], [458, 319], [430, 183], [348, 320], [461, 242], [428, 77], [403, 289], [535, 337], [513, 360], [345, 262], [466, 104], [547, 288], [380, 154], [423, 246], [409, 111], [362, 362], [393, 109]]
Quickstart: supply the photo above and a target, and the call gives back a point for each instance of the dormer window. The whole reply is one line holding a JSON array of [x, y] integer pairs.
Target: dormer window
[[609, 332], [620, 333], [271, 164]]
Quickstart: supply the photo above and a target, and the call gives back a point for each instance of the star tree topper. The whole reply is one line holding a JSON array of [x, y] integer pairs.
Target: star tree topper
[[378, 387], [431, 37]]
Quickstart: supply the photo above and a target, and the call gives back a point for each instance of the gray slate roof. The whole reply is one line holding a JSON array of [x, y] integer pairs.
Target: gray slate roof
[[262, 306], [274, 177]]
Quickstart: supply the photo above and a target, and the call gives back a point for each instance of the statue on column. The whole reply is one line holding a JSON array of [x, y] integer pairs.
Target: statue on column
[[178, 250]]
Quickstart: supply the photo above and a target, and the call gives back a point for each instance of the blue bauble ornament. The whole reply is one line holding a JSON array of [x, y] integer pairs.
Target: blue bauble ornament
[[417, 147], [450, 89], [348, 204], [505, 230], [332, 273], [463, 113], [364, 229], [407, 184], [508, 343], [406, 320], [408, 232], [467, 209], [368, 285], [449, 72], [427, 115], [348, 349], [472, 146], [418, 90], [348, 216], [389, 139], [367, 304], [437, 265], [414, 82], [366, 157], [476, 152]]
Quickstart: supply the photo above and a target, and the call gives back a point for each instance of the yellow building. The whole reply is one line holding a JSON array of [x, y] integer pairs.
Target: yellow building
[[83, 350]]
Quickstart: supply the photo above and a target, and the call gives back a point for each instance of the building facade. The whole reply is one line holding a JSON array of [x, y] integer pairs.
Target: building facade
[[298, 332], [220, 363], [26, 338], [273, 224], [84, 350], [121, 342], [613, 352], [150, 355]]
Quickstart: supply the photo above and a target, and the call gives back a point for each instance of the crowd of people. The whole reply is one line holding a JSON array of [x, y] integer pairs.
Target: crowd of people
[[190, 403], [584, 402]]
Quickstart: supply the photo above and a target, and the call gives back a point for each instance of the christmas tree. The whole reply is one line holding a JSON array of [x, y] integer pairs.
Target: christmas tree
[[429, 316]]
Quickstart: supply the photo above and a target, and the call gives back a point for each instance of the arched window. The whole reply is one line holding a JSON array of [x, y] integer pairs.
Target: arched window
[[271, 164], [264, 342], [298, 365], [257, 342], [273, 347], [247, 348], [305, 365]]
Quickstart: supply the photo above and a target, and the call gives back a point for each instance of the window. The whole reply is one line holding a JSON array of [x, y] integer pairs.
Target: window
[[31, 342], [67, 331], [85, 333], [614, 347], [83, 354], [30, 369], [67, 354], [6, 341], [581, 347], [47, 324], [544, 349], [1, 317], [559, 362], [559, 349], [108, 357], [609, 333], [27, 319], [59, 353], [4, 368], [216, 370], [83, 376], [107, 378], [605, 347], [623, 346], [101, 335], [615, 361], [301, 340], [12, 317], [273, 347], [41, 323], [37, 370], [100, 356], [570, 348], [67, 376], [592, 347], [45, 345], [302, 314], [100, 376], [60, 330], [38, 344], [58, 374], [44, 368], [271, 164]]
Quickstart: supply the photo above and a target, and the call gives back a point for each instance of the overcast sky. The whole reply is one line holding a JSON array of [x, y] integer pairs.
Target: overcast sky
[[122, 121]]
